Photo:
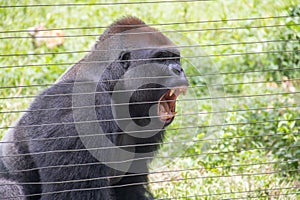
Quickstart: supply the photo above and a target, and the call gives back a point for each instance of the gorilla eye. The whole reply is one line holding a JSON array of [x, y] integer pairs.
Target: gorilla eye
[[166, 54], [124, 58]]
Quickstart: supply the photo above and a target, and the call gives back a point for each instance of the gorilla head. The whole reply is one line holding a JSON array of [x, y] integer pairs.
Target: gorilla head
[[140, 67], [112, 106]]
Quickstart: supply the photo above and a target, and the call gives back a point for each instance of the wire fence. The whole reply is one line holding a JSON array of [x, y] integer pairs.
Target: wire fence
[[234, 135]]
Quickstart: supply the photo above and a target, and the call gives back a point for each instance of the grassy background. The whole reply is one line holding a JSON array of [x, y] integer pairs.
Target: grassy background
[[254, 153]]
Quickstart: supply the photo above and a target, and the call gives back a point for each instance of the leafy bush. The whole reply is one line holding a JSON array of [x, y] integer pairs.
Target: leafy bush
[[291, 37]]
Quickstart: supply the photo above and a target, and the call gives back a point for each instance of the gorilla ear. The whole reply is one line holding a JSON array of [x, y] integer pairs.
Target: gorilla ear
[[124, 58]]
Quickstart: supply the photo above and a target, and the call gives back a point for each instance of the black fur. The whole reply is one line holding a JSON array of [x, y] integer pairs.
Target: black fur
[[40, 165]]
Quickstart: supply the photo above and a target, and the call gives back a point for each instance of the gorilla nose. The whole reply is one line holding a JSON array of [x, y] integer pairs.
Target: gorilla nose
[[176, 69], [178, 75]]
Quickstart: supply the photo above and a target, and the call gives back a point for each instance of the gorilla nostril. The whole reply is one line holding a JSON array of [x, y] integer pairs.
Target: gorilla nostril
[[176, 69]]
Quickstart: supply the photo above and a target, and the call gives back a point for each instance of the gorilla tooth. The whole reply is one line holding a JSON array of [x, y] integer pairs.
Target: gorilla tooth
[[166, 116], [172, 91]]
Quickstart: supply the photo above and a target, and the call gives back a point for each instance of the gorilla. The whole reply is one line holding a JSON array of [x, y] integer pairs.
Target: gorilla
[[92, 133]]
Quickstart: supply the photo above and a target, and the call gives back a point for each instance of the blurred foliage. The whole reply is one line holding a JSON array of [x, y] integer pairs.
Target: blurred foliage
[[274, 130], [291, 36]]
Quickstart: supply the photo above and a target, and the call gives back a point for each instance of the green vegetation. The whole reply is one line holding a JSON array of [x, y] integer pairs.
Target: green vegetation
[[255, 154]]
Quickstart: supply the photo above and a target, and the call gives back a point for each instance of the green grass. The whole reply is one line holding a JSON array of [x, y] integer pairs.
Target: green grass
[[228, 175]]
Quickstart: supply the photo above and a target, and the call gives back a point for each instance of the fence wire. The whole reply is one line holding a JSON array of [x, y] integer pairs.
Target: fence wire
[[150, 32]]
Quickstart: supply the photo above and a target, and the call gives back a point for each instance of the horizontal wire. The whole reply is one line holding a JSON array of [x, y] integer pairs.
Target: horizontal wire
[[190, 76], [153, 172], [151, 130], [164, 143], [130, 90], [147, 173], [157, 143], [148, 48], [145, 89], [177, 180], [101, 4], [149, 32], [146, 158], [107, 80], [166, 157], [105, 92], [151, 59], [196, 113], [140, 103], [229, 193], [161, 24], [150, 182], [173, 129], [109, 120], [142, 158], [169, 129]]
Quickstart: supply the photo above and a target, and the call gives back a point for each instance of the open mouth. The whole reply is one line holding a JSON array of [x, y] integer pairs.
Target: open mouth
[[167, 103]]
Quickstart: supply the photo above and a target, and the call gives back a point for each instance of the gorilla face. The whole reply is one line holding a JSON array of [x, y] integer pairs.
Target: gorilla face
[[157, 79], [145, 72]]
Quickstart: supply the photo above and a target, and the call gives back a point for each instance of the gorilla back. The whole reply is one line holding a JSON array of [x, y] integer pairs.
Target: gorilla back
[[91, 134]]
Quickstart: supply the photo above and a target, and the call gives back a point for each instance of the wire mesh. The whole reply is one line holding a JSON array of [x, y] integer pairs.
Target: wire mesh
[[236, 133]]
